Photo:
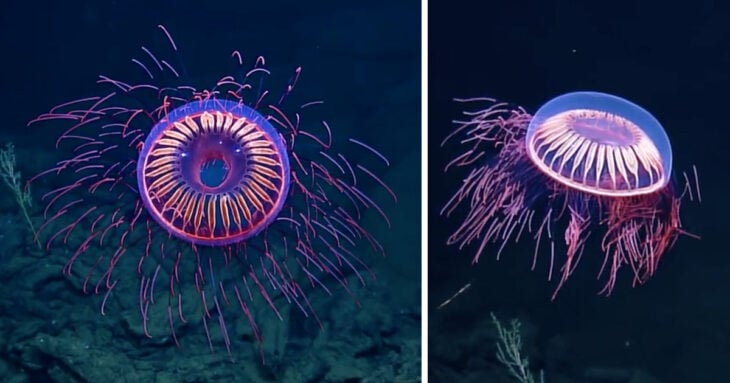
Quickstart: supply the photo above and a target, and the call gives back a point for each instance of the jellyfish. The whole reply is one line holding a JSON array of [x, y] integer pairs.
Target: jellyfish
[[585, 164], [210, 203]]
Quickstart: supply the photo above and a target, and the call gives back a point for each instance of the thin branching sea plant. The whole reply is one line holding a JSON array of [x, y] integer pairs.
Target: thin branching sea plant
[[509, 352], [11, 177]]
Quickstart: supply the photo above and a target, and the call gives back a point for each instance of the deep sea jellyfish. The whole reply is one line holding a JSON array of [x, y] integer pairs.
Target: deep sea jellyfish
[[207, 203], [584, 163]]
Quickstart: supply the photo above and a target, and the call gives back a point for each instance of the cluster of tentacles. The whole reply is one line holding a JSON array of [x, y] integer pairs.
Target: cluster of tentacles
[[507, 197]]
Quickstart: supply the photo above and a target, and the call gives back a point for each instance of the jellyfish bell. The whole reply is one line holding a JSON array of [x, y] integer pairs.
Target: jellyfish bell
[[585, 162], [600, 144], [213, 172]]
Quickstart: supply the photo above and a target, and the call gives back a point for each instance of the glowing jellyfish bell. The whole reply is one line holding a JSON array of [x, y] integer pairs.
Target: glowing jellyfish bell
[[213, 172], [600, 144]]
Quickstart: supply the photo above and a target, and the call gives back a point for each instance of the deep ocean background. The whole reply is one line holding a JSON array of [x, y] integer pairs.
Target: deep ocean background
[[672, 58], [362, 59]]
